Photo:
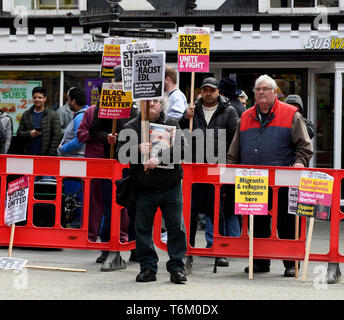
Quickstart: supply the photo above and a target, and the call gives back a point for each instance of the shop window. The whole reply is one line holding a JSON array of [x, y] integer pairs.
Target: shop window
[[45, 7], [89, 81], [300, 6]]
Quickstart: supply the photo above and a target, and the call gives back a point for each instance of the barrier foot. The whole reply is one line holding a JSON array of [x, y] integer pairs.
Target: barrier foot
[[113, 262], [215, 265], [188, 264]]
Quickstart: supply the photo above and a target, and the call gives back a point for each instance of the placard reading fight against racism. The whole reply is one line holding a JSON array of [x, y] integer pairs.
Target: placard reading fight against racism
[[315, 195], [148, 75], [114, 102], [111, 55], [251, 191], [193, 49]]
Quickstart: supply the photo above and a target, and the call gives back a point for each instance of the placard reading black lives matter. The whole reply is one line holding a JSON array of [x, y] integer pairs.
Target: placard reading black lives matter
[[148, 75]]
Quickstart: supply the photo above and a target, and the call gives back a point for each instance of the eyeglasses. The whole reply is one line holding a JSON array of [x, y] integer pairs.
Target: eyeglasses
[[264, 89], [156, 101]]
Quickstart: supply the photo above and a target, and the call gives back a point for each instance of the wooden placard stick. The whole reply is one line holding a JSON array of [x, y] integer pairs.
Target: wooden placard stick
[[297, 230], [55, 268], [114, 128], [144, 118], [192, 93], [250, 258], [308, 248], [13, 226]]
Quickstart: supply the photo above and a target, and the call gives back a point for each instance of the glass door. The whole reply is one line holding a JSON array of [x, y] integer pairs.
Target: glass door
[[324, 109]]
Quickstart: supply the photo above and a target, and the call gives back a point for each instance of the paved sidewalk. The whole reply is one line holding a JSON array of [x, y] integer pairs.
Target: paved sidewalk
[[227, 284]]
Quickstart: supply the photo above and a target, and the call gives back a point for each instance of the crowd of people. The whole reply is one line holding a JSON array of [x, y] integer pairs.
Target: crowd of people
[[270, 133]]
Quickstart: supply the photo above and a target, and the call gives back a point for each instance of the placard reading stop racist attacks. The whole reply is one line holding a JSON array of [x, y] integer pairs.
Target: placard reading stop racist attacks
[[148, 75], [193, 49], [251, 191], [114, 102]]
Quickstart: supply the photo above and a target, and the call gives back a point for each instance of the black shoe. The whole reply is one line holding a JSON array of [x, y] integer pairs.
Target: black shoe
[[133, 256], [146, 276], [258, 268], [289, 272], [333, 273], [102, 257], [178, 277], [222, 262]]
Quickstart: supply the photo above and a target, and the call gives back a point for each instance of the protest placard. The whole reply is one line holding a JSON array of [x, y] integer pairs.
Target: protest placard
[[314, 201], [315, 195], [127, 52], [293, 193], [251, 197], [111, 55], [193, 55], [12, 263], [93, 90], [114, 102], [16, 201], [193, 49], [251, 191], [148, 75]]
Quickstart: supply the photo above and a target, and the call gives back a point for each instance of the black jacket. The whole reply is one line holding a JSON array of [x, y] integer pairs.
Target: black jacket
[[238, 106], [225, 117], [158, 179]]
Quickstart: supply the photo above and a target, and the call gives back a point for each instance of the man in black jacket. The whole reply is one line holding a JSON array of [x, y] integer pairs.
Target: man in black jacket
[[217, 119], [156, 187]]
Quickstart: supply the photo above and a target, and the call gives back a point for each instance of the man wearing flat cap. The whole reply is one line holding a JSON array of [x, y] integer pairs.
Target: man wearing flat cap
[[228, 88], [213, 114]]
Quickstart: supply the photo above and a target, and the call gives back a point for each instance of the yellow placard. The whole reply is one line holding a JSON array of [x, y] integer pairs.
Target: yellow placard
[[194, 44]]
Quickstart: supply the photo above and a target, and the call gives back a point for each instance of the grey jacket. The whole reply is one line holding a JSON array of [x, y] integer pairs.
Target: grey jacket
[[6, 122]]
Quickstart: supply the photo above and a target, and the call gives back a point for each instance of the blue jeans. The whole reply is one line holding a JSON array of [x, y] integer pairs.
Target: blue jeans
[[170, 203], [231, 228]]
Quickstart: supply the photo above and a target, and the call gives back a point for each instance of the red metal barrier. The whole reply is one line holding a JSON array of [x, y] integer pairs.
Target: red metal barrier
[[267, 248], [57, 236], [87, 169]]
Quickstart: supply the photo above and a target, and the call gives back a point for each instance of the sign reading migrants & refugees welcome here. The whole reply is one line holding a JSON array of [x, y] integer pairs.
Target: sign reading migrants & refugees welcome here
[[251, 191]]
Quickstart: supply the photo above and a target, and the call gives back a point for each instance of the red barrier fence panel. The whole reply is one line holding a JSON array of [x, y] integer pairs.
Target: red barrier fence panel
[[57, 236], [264, 248]]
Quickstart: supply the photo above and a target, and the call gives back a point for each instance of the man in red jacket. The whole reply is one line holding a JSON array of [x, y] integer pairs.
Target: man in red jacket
[[271, 133]]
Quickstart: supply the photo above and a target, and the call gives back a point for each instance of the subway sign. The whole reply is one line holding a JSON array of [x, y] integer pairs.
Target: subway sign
[[316, 43]]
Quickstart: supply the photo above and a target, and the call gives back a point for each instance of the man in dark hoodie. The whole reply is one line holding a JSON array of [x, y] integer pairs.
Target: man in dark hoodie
[[228, 88]]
